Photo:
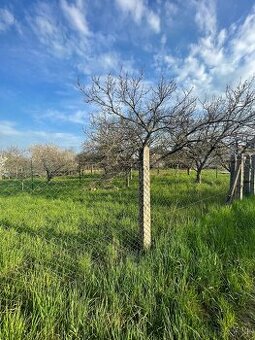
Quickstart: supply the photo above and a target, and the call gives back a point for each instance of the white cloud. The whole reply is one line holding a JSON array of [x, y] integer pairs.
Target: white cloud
[[135, 8], [78, 117], [163, 40], [59, 41], [8, 128], [218, 57], [206, 16], [75, 14], [243, 43], [171, 10], [11, 134], [209, 50], [6, 19], [138, 10], [105, 63], [154, 21], [54, 35], [49, 31]]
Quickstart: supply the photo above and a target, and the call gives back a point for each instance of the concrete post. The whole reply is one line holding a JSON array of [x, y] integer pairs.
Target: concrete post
[[144, 198]]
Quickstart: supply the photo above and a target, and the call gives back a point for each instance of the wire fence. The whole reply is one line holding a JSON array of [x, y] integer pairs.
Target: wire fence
[[107, 210], [106, 215], [68, 245]]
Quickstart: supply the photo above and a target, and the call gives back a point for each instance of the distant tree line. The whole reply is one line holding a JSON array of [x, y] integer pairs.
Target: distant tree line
[[39, 160]]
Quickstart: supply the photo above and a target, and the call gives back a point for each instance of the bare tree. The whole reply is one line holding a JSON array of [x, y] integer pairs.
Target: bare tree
[[52, 160], [223, 156], [146, 113], [147, 109], [230, 119], [17, 163], [3, 160], [112, 148]]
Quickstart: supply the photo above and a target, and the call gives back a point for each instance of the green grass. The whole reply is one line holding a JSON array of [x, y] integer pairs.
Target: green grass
[[69, 266]]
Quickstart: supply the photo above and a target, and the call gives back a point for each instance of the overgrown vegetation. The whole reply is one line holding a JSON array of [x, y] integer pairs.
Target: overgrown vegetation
[[69, 268]]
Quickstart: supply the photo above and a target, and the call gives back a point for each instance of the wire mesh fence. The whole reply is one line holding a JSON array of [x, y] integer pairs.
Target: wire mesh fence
[[80, 212], [70, 260], [107, 208]]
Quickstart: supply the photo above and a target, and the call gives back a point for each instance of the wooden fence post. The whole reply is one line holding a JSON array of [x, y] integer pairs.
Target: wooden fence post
[[252, 188], [236, 179], [247, 175], [144, 198], [239, 188], [233, 165]]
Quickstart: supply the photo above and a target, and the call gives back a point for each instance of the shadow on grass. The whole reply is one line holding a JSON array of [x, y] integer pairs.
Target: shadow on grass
[[92, 239]]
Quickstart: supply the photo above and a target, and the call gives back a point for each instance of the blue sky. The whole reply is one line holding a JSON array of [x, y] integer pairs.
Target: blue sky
[[46, 45]]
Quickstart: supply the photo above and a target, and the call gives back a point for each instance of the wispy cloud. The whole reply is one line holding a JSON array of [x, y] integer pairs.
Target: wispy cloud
[[61, 42], [153, 21], [218, 57], [105, 62], [8, 129], [12, 134], [170, 10], [6, 19], [138, 10], [135, 8], [49, 31], [206, 16], [77, 117], [75, 14]]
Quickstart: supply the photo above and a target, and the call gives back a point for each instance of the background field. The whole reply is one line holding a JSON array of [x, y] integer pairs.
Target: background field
[[70, 269]]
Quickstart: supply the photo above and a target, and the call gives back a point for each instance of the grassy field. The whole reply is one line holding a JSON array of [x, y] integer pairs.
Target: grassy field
[[69, 266]]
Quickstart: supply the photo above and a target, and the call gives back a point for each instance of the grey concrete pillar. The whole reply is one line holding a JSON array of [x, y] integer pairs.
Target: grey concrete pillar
[[144, 199]]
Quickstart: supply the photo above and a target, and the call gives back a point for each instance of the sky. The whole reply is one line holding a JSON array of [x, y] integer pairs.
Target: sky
[[45, 46]]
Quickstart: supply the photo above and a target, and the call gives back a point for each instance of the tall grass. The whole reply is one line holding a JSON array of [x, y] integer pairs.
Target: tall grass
[[69, 268]]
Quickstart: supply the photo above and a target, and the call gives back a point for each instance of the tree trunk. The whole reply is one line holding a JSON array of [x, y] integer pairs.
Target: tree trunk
[[177, 169], [199, 176], [80, 174], [128, 179], [188, 171], [49, 176], [131, 174]]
